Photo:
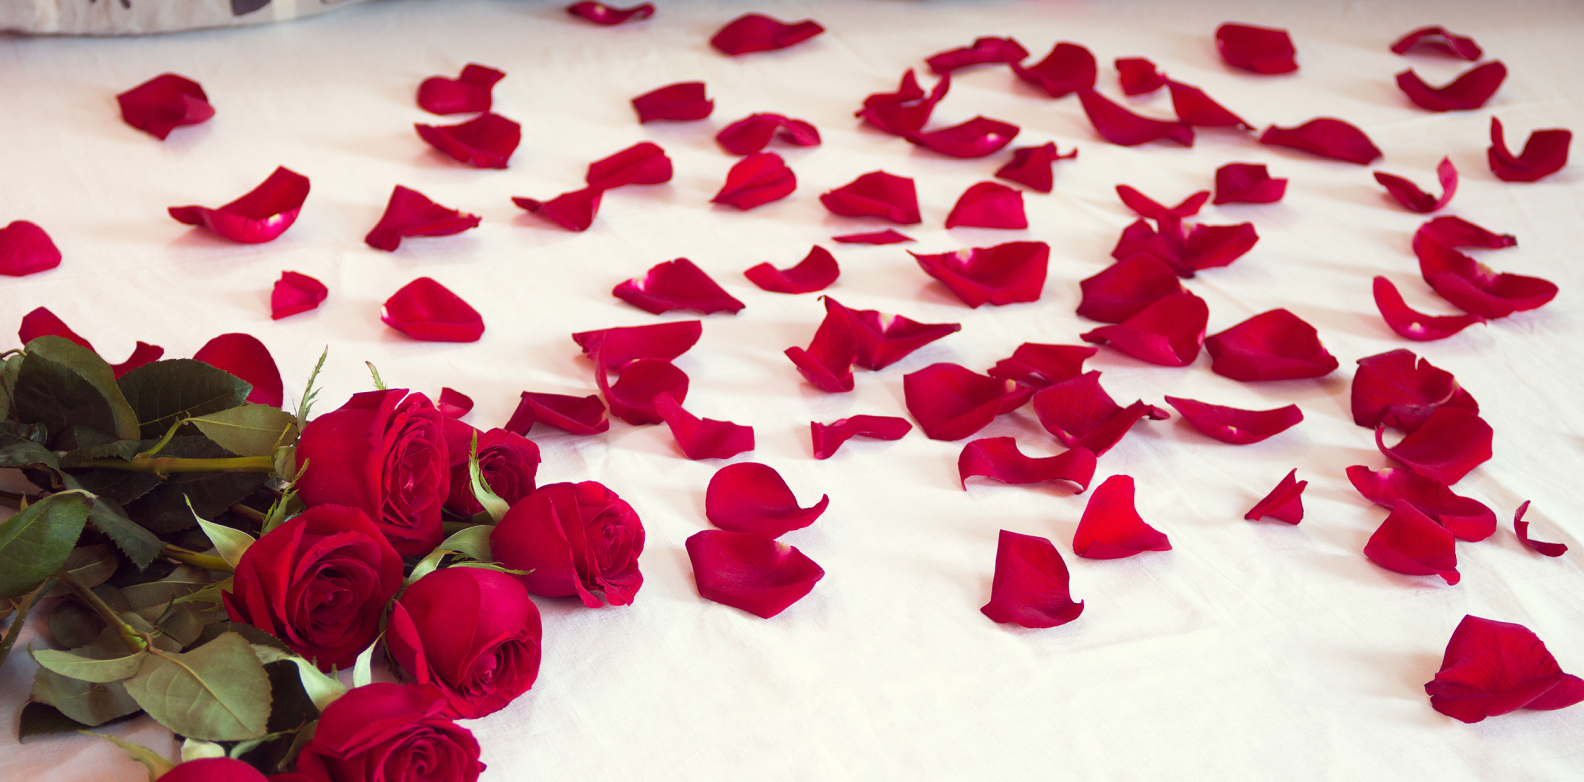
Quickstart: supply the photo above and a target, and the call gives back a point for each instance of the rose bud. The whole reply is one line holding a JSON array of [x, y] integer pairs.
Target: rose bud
[[575, 539], [384, 453], [318, 582], [507, 461], [390, 733], [474, 633]]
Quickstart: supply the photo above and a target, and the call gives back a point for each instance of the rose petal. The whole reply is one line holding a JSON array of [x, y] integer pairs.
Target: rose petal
[[1284, 502], [1325, 137], [750, 572], [951, 402], [25, 249], [1138, 76], [753, 497], [680, 102], [1068, 68], [702, 438], [876, 194], [1235, 425], [294, 293], [411, 213], [754, 132], [1030, 586], [1274, 345], [828, 438], [1031, 166], [1465, 517], [1408, 542], [1168, 331], [1474, 287], [142, 353], [1411, 323], [1491, 668], [676, 285], [1124, 128], [632, 397], [574, 211], [906, 110], [751, 33], [1446, 447], [1205, 247], [1247, 183], [1438, 39], [486, 141], [1544, 154], [816, 272], [1470, 90], [1126, 287], [164, 103], [644, 163], [607, 15], [1082, 415], [1038, 365], [617, 346], [1264, 50], [1521, 527], [1111, 527], [977, 137], [1456, 232], [453, 404], [983, 51], [887, 236], [40, 322], [1003, 274], [426, 310], [1415, 200], [998, 458], [1146, 207], [756, 180], [575, 414], [827, 363], [1193, 106], [469, 93], [1400, 390], [260, 215], [988, 205], [881, 339], [246, 357]]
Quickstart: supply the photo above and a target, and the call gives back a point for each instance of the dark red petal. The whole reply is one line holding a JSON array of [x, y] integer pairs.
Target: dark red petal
[[294, 293], [1473, 287], [1438, 39], [468, 93], [40, 322], [1468, 91], [1544, 154], [1124, 128], [574, 211], [876, 194], [977, 137], [617, 346], [1068, 68], [676, 285], [411, 213], [600, 13], [1247, 183], [751, 33], [453, 403], [644, 163], [1410, 543], [163, 104], [1138, 76], [816, 272], [750, 572], [828, 438], [756, 180], [1039, 365], [1003, 274], [1491, 668], [1465, 517], [1030, 586], [1167, 331], [1456, 232], [575, 414], [702, 438], [1411, 323], [245, 357], [989, 205], [1122, 289], [425, 310], [906, 110], [25, 249], [1080, 414], [998, 458], [143, 353], [753, 497], [1284, 502], [827, 364], [881, 339], [1210, 246], [1274, 345], [1521, 527], [982, 52], [1031, 166], [1146, 207], [1400, 390], [1111, 528], [1234, 425], [887, 236], [1325, 137], [1193, 106], [486, 141], [1415, 200], [951, 402], [753, 133], [680, 102], [1258, 49], [1447, 446], [632, 396], [260, 215]]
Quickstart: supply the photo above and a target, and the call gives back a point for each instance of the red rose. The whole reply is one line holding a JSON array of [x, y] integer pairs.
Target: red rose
[[213, 770], [576, 539], [382, 452], [508, 462], [318, 582], [471, 632], [390, 733]]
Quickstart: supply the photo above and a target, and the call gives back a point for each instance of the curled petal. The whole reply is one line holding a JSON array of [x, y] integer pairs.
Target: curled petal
[[1264, 50], [617, 346], [752, 497], [1438, 39], [25, 249], [1030, 587], [827, 364], [1544, 154], [1138, 76], [1082, 415], [828, 438], [816, 272], [1234, 425], [702, 438], [1466, 518], [888, 236], [1126, 287], [951, 402], [1415, 200], [411, 213], [164, 103], [1408, 542], [469, 93], [998, 458], [751, 572], [486, 141], [644, 163], [1068, 68], [246, 357], [756, 180], [906, 110], [988, 205], [1401, 390], [1325, 137], [426, 310], [1247, 183], [881, 339], [574, 211], [260, 215], [1003, 274], [632, 397], [983, 51], [600, 13], [1111, 527], [40, 322], [454, 404], [1274, 345], [1031, 166], [1168, 331], [977, 137], [575, 414], [294, 293], [1196, 108], [1468, 91], [1284, 502], [1124, 128], [1039, 365], [1411, 323], [676, 285], [1474, 287], [1491, 668], [1521, 527], [680, 102], [1205, 247], [751, 33], [1446, 447], [876, 194], [753, 133], [1146, 207], [1456, 232]]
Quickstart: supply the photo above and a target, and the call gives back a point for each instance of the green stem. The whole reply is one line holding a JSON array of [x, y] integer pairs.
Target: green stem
[[129, 636], [21, 616], [165, 465], [14, 499], [251, 514], [205, 561]]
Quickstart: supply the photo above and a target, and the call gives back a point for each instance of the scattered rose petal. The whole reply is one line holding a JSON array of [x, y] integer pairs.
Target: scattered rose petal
[[1274, 345], [1413, 324], [753, 497], [411, 213], [1468, 91], [881, 339], [40, 322], [680, 102], [294, 293], [977, 137], [1126, 287], [753, 133], [906, 110], [1465, 517], [1408, 542], [644, 163], [1415, 200], [1474, 287], [983, 51], [600, 13], [827, 363], [1205, 247], [1438, 39], [988, 205], [1038, 365], [816, 272], [1234, 425], [575, 414], [486, 141], [676, 285], [1030, 586], [1544, 154], [1068, 68], [574, 211], [876, 194], [1031, 166], [1258, 49], [828, 438], [998, 458], [1521, 527], [454, 404], [1124, 128], [632, 397], [1146, 207], [756, 180], [1491, 668], [142, 353], [1455, 232], [951, 402], [1446, 447], [1325, 137], [25, 249], [1138, 76], [1111, 527], [617, 346], [750, 572], [467, 94], [1247, 183], [1082, 415], [887, 236], [1003, 274], [1400, 390], [164, 103], [425, 310], [702, 438], [1284, 502], [246, 357], [1193, 106], [1168, 331], [260, 215], [751, 33]]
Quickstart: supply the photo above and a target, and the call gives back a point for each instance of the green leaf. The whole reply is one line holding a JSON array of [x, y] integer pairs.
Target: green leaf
[[63, 385], [36, 541], [118, 449], [89, 566], [473, 542], [195, 749], [153, 762], [42, 719], [182, 623], [137, 543], [286, 463], [217, 692], [16, 451], [87, 669], [122, 486], [71, 624], [363, 667], [164, 392], [165, 508], [379, 384], [321, 688], [183, 581], [427, 565], [286, 506], [309, 392], [249, 430], [493, 505], [230, 543], [22, 611], [86, 702]]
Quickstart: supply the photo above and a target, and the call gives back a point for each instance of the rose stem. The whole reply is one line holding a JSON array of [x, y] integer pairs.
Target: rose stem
[[172, 464], [129, 636]]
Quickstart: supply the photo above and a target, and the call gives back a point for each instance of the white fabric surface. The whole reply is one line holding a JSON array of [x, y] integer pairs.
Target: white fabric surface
[[1251, 651]]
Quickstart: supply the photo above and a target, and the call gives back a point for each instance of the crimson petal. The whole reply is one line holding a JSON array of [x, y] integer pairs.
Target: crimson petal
[[1438, 39], [245, 357], [617, 346], [1284, 502], [1030, 586], [1274, 345], [1146, 207], [1080, 414], [40, 322], [906, 110], [1410, 543], [1205, 247], [827, 363], [1111, 527], [142, 353], [951, 402], [756, 180], [294, 293], [164, 103], [644, 163], [982, 52], [988, 205], [426, 310], [750, 572], [1121, 290], [816, 272], [1234, 425], [574, 211], [1247, 183], [1446, 447], [470, 92], [1474, 288], [578, 415], [1411, 323], [1031, 166], [1325, 137], [25, 249], [1466, 518], [411, 213], [881, 339], [1003, 274], [1415, 200], [260, 215], [998, 458], [828, 438], [751, 33], [1193, 106], [876, 194], [753, 133], [1401, 390], [1168, 331], [1456, 232], [977, 137], [887, 236], [702, 438], [1068, 68], [1264, 50], [1124, 128], [1491, 668], [1544, 154], [632, 397], [1138, 76], [1521, 527], [680, 102], [486, 141], [453, 404], [676, 285], [753, 497], [1468, 91], [1038, 365], [600, 13]]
